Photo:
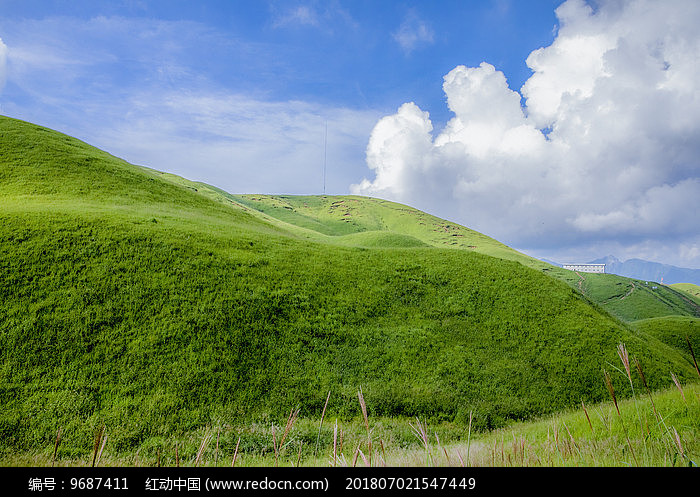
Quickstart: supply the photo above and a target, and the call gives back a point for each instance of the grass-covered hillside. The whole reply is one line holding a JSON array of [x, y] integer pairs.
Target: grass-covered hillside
[[681, 332], [155, 306], [688, 289], [630, 299], [370, 222]]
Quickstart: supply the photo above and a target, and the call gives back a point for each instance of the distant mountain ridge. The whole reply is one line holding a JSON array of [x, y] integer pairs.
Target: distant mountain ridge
[[650, 271]]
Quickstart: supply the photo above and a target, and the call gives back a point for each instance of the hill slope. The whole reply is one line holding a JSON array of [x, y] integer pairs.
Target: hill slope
[[154, 305], [370, 222], [632, 300], [676, 331], [689, 289], [332, 216]]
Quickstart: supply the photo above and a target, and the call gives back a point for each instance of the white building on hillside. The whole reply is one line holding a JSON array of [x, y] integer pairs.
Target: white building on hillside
[[585, 268]]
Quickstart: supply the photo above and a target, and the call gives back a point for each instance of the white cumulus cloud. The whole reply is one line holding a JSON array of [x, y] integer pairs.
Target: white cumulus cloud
[[604, 147]]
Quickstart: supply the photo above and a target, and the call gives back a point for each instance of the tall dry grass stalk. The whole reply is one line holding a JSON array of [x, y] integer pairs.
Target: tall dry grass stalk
[[216, 452], [98, 440], [518, 449], [55, 446], [571, 438], [102, 448], [461, 461], [235, 453], [677, 440], [419, 430], [357, 452], [320, 424], [611, 389], [447, 457], [274, 443], [291, 419], [364, 459], [205, 442], [363, 406], [678, 385], [585, 411], [469, 436], [624, 357], [335, 444]]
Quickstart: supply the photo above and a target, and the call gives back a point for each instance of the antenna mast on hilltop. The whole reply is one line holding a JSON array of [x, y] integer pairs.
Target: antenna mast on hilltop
[[325, 148]]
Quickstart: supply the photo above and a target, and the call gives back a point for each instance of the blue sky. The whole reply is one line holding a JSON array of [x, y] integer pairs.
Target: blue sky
[[361, 54], [238, 94]]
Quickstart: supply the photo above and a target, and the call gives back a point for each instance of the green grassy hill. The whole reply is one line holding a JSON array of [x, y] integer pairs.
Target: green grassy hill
[[155, 306], [688, 289], [370, 222], [632, 300], [328, 217], [675, 331]]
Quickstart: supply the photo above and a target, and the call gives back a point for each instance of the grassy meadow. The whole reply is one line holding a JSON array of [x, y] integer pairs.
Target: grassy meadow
[[141, 312], [647, 430]]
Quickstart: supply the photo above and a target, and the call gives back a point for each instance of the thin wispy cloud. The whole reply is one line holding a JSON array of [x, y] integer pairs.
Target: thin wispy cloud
[[303, 15], [413, 33], [328, 17], [238, 142]]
